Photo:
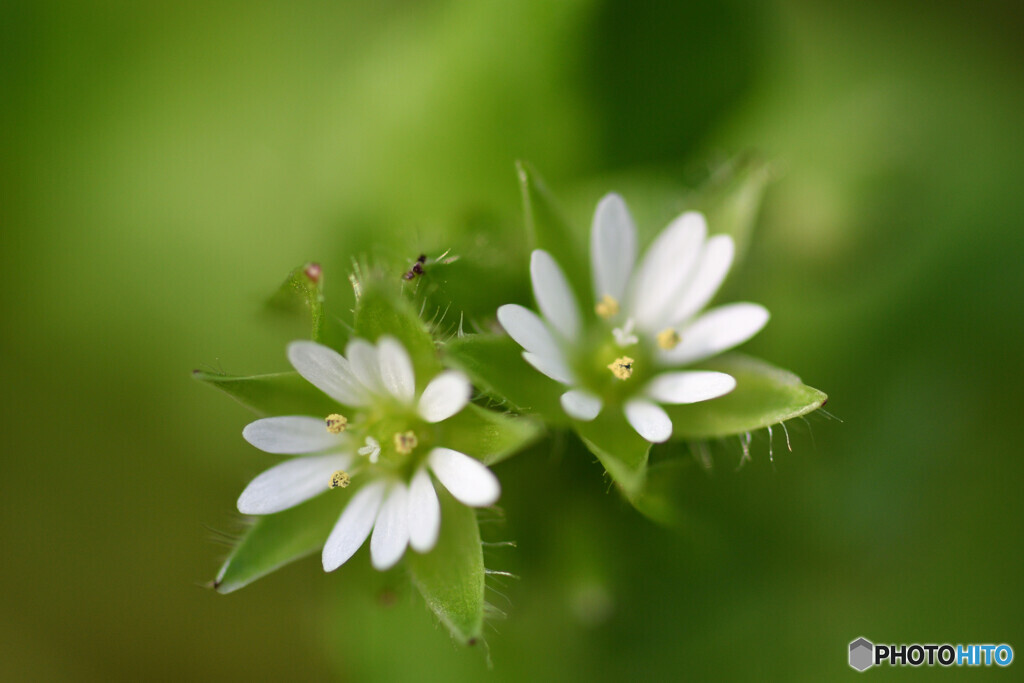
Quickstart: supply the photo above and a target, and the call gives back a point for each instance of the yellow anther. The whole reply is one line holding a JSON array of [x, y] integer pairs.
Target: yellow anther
[[336, 424], [405, 442], [607, 307], [622, 367], [668, 339], [340, 479]]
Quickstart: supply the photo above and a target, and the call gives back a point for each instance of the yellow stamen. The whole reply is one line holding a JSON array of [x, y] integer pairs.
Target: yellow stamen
[[336, 424], [622, 367], [405, 442], [607, 307], [340, 479], [668, 339]]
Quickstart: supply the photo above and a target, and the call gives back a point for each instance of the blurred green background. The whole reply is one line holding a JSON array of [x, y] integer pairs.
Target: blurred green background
[[164, 165]]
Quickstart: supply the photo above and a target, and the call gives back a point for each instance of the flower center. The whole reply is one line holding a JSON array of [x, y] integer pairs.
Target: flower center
[[607, 307], [669, 339], [336, 423], [340, 479], [405, 442], [622, 367]]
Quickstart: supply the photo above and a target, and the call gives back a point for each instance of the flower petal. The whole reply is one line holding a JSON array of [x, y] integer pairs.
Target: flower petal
[[612, 247], [447, 394], [327, 370], [581, 404], [555, 368], [665, 270], [715, 261], [717, 330], [292, 482], [391, 532], [424, 512], [529, 331], [554, 297], [467, 479], [353, 526], [290, 435], [365, 364], [649, 420], [689, 387], [396, 371]]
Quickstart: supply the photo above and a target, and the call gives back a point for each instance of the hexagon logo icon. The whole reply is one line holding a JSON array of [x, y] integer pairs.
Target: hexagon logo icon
[[862, 654]]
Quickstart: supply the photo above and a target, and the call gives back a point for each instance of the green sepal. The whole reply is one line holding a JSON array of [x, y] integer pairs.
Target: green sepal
[[731, 199], [548, 229], [302, 291], [275, 540], [489, 436], [382, 309], [764, 396], [662, 496], [282, 393], [451, 576], [496, 366], [620, 449]]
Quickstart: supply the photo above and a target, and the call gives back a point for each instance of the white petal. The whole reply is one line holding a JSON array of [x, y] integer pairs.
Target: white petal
[[581, 404], [424, 512], [649, 420], [612, 247], [717, 330], [353, 526], [447, 394], [555, 368], [689, 387], [715, 261], [529, 331], [554, 297], [467, 479], [365, 364], [391, 532], [666, 268], [290, 483], [290, 435], [396, 371], [327, 370]]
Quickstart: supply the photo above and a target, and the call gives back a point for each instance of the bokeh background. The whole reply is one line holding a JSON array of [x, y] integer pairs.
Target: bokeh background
[[164, 165]]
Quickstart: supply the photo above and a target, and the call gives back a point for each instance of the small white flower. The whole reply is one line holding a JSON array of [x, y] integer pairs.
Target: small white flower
[[399, 508], [651, 308]]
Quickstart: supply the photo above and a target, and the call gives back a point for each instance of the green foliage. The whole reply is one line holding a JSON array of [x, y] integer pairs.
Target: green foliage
[[451, 576], [281, 393], [495, 364], [383, 309], [764, 395], [275, 540], [619, 448], [302, 291], [490, 436]]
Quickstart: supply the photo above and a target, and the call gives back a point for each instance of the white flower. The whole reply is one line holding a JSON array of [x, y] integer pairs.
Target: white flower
[[398, 502], [652, 312]]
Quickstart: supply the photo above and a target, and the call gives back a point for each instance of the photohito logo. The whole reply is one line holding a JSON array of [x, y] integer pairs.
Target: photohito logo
[[864, 654]]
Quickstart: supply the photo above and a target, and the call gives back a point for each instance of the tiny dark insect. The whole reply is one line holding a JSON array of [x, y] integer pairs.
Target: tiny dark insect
[[417, 268]]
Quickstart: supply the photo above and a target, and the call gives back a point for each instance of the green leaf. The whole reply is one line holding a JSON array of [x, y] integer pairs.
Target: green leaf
[[282, 393], [489, 436], [764, 395], [384, 310], [548, 229], [275, 540], [451, 576], [619, 448], [495, 365], [731, 199], [302, 291], [661, 498]]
